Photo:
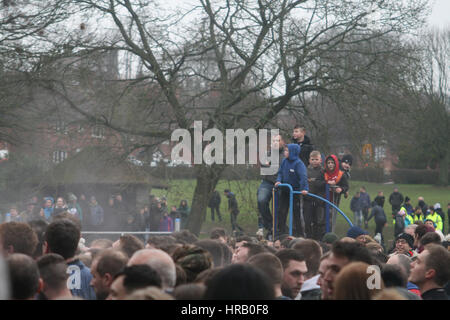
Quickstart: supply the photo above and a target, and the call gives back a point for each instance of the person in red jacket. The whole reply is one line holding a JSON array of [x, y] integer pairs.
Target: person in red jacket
[[338, 184]]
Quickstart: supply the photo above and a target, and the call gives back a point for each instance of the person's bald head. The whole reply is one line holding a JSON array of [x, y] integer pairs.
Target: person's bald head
[[158, 260], [401, 260]]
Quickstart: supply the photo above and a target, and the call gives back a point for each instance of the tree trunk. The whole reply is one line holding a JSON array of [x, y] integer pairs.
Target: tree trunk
[[443, 169], [207, 179]]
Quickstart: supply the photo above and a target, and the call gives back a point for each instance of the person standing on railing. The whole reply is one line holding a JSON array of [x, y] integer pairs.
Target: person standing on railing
[[338, 183], [265, 189], [293, 172], [314, 209], [299, 137]]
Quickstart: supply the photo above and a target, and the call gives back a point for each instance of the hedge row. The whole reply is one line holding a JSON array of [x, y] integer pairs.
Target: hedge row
[[415, 176]]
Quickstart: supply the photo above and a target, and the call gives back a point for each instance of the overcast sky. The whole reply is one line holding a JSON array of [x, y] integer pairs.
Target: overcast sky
[[440, 16]]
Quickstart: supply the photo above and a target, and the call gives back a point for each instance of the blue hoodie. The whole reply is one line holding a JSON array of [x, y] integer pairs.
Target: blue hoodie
[[48, 211], [293, 170]]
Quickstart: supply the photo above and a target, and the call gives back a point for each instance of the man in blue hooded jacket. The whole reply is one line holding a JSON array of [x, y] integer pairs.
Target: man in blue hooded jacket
[[293, 172]]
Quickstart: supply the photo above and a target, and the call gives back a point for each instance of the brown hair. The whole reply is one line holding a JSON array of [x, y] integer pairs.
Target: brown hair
[[20, 236], [314, 153], [111, 261], [439, 260], [351, 283], [193, 259], [269, 264], [312, 252], [130, 244]]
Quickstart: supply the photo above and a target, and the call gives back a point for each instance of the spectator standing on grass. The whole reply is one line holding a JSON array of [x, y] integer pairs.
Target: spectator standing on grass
[[356, 207], [407, 205], [418, 215], [396, 200], [399, 222], [438, 210], [29, 213], [380, 220], [74, 208], [166, 223], [13, 215], [435, 217], [365, 205], [121, 210], [84, 206], [184, 212], [380, 199], [48, 208], [448, 215], [96, 214], [233, 209], [421, 203], [60, 207], [214, 205]]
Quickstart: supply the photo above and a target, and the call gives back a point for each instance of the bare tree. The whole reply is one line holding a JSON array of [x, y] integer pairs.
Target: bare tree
[[232, 64]]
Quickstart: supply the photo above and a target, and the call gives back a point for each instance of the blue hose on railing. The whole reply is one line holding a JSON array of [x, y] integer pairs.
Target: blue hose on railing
[[291, 201]]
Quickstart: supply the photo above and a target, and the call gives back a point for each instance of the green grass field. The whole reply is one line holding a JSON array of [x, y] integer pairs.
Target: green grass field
[[246, 195]]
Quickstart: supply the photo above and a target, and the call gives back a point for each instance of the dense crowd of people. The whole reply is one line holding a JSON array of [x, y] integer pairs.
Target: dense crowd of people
[[51, 261], [45, 256]]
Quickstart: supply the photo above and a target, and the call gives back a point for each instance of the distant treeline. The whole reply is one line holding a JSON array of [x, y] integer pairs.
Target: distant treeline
[[376, 175]]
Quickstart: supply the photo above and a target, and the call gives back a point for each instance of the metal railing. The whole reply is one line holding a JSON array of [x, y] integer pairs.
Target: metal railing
[[291, 202]]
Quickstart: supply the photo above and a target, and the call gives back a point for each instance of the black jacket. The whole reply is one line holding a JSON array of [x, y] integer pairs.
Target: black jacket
[[306, 147], [378, 213], [435, 294], [396, 199], [379, 200], [316, 183], [232, 203], [214, 201]]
